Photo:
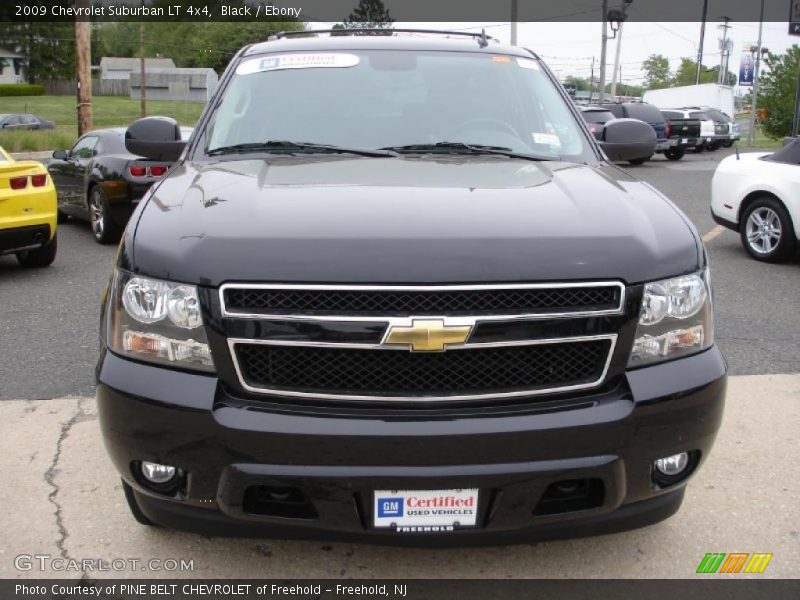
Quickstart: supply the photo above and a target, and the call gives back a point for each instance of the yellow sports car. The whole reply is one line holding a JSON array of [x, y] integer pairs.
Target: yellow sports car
[[27, 211]]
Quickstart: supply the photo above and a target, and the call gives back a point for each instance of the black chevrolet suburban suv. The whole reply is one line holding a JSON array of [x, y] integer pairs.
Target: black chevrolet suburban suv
[[392, 290]]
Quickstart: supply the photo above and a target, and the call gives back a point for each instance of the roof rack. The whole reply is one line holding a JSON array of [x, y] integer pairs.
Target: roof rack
[[483, 39]]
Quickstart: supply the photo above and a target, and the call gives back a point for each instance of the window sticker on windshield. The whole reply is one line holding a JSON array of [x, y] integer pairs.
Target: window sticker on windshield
[[548, 139], [296, 61], [528, 63], [501, 58]]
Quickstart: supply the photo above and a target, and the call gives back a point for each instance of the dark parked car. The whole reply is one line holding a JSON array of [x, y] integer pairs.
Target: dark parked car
[[685, 133], [650, 115], [596, 118], [99, 180], [24, 121], [420, 308]]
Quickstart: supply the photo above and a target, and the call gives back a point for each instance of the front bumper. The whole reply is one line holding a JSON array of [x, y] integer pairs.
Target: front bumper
[[338, 457]]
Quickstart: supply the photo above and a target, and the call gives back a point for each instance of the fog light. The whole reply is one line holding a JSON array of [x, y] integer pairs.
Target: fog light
[[156, 473], [672, 465]]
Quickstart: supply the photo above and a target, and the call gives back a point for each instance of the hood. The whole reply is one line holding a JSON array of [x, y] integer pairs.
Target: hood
[[407, 220]]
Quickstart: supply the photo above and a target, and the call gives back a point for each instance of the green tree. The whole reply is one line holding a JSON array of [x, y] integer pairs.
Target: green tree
[[656, 72], [48, 48], [369, 14], [776, 91], [687, 74], [580, 84], [188, 43]]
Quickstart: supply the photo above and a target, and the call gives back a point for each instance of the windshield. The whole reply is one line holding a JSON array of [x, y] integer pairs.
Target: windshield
[[718, 116], [390, 99]]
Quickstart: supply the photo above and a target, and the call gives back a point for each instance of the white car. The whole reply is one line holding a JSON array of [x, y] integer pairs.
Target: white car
[[758, 195]]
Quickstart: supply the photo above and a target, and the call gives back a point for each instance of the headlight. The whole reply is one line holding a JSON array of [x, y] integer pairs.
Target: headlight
[[675, 319], [157, 321]]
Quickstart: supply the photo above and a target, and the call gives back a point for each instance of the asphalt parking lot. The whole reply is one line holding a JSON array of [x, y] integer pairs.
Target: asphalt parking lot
[[62, 496]]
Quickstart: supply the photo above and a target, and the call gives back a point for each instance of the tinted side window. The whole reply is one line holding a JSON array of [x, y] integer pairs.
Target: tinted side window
[[84, 147], [598, 116], [615, 109], [672, 114], [699, 115], [645, 112]]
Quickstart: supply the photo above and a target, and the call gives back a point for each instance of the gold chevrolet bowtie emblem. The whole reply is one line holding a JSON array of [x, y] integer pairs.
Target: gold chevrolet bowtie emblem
[[427, 335]]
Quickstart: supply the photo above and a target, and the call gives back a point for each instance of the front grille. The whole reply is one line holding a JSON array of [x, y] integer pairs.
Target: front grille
[[401, 302], [403, 374]]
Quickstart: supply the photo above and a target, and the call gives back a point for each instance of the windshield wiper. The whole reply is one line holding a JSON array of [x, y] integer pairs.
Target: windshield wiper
[[461, 148], [287, 147]]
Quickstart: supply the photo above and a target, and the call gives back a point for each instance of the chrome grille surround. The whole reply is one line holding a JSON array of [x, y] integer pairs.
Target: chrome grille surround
[[391, 321]]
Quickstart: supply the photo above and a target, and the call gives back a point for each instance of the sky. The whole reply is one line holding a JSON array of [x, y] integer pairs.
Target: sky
[[568, 48]]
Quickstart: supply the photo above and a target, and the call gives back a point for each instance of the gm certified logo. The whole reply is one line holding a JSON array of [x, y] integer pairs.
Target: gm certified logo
[[390, 507], [427, 335]]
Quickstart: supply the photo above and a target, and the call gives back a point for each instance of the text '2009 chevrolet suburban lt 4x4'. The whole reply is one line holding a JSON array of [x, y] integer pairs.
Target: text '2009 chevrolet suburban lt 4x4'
[[392, 290]]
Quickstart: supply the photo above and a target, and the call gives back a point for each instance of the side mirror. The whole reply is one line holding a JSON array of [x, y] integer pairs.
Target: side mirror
[[61, 155], [627, 139], [155, 138]]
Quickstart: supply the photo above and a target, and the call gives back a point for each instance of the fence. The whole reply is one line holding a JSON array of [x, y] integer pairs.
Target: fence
[[100, 87]]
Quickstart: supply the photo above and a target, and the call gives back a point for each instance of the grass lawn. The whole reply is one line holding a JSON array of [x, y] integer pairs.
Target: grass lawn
[[108, 111]]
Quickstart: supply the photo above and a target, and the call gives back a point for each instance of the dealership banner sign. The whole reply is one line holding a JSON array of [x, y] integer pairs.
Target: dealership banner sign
[[794, 17], [747, 66]]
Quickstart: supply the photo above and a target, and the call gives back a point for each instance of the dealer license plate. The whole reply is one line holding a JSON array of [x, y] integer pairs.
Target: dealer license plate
[[684, 141], [425, 510]]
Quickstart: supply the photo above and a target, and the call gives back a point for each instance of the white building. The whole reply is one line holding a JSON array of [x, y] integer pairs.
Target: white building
[[12, 69], [196, 84], [113, 67]]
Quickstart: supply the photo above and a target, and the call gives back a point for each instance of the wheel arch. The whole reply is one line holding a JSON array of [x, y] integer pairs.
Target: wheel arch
[[754, 195]]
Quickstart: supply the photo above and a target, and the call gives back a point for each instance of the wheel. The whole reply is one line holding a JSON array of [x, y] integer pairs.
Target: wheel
[[104, 229], [133, 505], [61, 217], [713, 147], [675, 153], [40, 257], [767, 232], [639, 161], [727, 144]]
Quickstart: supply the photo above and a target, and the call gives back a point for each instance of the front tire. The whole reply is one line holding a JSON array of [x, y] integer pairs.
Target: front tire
[[104, 229], [767, 232], [39, 257], [675, 153]]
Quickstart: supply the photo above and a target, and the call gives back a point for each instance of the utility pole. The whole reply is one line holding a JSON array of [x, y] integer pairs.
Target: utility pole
[[514, 10], [751, 137], [702, 41], [591, 83], [723, 61], [617, 66], [143, 76], [83, 69], [603, 52]]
